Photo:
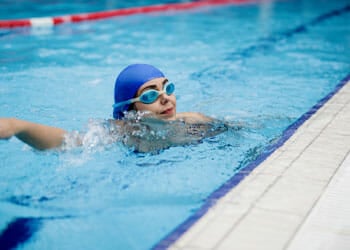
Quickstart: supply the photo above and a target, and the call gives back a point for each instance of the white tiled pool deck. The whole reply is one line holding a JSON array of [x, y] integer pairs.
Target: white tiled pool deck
[[298, 198]]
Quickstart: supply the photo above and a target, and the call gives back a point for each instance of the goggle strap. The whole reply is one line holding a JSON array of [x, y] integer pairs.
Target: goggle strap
[[119, 104]]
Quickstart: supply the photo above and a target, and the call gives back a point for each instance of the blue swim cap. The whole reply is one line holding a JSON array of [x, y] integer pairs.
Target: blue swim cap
[[129, 81]]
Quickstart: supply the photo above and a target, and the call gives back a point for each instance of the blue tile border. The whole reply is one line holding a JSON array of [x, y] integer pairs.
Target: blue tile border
[[238, 177]]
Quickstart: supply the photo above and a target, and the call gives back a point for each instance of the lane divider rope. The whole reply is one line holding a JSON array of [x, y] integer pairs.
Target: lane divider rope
[[52, 21]]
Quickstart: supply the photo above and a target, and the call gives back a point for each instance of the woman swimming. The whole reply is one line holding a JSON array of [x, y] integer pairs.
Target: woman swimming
[[144, 112]]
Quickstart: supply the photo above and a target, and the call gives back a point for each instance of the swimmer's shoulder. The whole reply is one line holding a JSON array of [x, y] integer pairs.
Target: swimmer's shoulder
[[193, 117]]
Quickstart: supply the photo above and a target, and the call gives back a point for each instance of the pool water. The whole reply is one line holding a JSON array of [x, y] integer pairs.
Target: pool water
[[260, 65]]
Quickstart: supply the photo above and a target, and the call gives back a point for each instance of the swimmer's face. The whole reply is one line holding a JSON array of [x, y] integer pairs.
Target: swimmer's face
[[165, 105]]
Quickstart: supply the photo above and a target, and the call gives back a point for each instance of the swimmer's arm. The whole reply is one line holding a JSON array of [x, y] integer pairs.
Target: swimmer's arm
[[36, 135]]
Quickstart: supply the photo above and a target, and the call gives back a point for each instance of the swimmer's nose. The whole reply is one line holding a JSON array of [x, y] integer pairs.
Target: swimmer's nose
[[163, 97]]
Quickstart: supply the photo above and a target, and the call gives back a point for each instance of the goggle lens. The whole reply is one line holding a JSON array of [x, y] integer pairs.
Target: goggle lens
[[149, 96], [169, 88]]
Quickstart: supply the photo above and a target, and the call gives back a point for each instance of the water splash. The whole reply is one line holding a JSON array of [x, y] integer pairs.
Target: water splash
[[97, 136], [142, 132]]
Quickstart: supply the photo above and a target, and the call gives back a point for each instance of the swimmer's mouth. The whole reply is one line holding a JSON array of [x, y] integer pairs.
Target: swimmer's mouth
[[168, 111]]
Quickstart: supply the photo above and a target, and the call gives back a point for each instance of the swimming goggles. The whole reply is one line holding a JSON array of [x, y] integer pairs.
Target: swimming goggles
[[149, 96]]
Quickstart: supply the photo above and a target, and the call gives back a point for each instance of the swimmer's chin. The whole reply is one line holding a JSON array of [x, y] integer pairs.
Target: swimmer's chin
[[167, 117]]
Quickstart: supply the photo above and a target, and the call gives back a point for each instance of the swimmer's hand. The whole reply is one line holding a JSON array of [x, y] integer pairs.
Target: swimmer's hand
[[6, 128], [35, 135]]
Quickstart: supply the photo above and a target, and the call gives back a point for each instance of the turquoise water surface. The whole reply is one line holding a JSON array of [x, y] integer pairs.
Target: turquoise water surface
[[260, 65]]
